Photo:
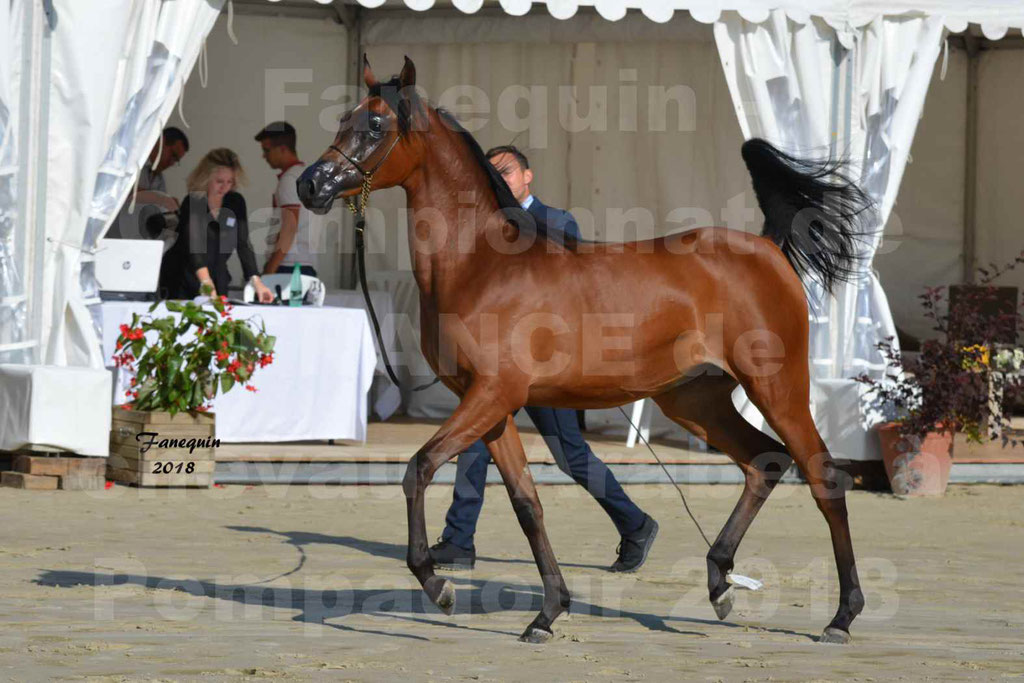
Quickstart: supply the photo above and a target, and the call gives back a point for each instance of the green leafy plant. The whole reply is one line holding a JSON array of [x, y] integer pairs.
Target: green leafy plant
[[173, 375]]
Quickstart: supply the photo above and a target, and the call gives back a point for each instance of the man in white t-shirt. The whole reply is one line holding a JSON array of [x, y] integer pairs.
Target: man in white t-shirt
[[290, 240]]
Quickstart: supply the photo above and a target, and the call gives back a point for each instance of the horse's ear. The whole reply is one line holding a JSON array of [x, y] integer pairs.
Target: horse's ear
[[408, 76], [368, 76]]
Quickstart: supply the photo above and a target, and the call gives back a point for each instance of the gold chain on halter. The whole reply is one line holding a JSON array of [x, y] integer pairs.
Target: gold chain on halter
[[357, 209]]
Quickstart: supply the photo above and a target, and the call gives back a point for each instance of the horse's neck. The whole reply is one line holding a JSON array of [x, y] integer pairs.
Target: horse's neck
[[450, 203]]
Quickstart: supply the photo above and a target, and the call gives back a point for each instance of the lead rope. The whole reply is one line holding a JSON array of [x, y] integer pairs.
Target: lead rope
[[737, 579], [357, 207], [665, 469]]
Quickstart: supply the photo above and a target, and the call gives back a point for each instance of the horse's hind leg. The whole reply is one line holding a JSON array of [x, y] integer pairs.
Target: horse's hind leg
[[704, 407], [787, 410], [477, 414], [508, 455]]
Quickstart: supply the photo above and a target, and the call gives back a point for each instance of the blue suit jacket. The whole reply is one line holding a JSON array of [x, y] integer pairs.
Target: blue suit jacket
[[554, 222]]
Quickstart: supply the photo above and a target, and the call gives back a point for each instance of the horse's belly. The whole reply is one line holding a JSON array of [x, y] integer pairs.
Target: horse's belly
[[611, 374]]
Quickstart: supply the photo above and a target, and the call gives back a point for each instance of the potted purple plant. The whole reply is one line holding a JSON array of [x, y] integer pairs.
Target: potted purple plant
[[960, 381]]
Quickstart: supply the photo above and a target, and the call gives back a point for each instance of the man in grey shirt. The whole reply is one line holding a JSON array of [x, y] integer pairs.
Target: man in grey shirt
[[152, 186]]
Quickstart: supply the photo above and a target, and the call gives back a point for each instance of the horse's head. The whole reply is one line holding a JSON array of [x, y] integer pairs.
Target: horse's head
[[368, 143]]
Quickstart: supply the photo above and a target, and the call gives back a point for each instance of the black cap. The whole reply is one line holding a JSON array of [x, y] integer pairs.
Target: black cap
[[274, 129]]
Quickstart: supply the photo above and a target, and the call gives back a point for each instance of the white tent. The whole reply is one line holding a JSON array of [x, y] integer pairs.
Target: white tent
[[842, 75], [102, 79]]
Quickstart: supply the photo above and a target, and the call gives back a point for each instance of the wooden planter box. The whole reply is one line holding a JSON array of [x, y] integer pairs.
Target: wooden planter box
[[162, 457]]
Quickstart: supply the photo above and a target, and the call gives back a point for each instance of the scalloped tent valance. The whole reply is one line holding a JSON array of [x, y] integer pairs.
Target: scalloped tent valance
[[995, 17]]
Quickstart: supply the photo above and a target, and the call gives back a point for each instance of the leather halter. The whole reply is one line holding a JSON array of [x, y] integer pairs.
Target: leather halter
[[364, 195]]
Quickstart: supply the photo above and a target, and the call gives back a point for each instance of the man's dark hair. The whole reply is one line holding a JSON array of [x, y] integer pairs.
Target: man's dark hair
[[173, 135], [524, 163], [279, 133]]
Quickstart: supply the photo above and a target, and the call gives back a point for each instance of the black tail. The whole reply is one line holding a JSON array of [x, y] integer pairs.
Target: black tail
[[812, 210]]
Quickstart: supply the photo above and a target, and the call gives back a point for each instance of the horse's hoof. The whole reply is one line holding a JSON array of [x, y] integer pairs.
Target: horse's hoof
[[723, 603], [834, 635], [446, 598], [536, 635]]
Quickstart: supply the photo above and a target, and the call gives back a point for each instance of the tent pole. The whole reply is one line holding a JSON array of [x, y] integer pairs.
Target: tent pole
[[33, 121], [971, 158]]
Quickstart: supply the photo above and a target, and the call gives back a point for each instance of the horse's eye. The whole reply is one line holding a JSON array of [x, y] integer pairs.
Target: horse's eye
[[376, 125]]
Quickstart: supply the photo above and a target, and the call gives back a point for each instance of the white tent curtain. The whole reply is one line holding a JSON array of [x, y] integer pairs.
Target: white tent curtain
[[15, 336], [859, 93], [118, 67]]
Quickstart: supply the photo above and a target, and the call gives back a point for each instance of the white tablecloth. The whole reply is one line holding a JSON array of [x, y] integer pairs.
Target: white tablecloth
[[387, 397], [315, 389]]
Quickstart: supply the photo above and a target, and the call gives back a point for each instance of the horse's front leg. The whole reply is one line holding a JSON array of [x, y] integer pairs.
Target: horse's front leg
[[481, 410], [508, 455]]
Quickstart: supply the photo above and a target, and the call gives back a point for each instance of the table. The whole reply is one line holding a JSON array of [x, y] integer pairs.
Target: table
[[316, 388]]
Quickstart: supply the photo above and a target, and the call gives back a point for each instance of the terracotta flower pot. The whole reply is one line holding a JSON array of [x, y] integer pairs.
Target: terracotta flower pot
[[915, 466]]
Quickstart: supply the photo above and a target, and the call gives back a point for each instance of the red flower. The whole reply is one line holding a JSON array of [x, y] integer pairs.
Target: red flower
[[123, 359], [202, 409], [223, 355], [234, 366], [126, 406], [119, 344], [224, 344], [125, 330], [108, 484], [133, 381], [249, 387]]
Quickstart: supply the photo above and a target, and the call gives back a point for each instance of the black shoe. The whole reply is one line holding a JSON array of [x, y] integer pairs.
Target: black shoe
[[633, 549], [447, 555]]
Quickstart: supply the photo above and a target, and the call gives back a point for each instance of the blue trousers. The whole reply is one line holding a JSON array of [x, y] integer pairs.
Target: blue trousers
[[562, 435]]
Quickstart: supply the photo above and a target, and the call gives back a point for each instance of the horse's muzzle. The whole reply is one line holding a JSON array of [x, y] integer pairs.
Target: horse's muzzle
[[321, 182]]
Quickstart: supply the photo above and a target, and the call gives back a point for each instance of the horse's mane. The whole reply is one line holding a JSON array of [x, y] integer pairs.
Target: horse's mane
[[404, 107], [507, 203], [502, 193]]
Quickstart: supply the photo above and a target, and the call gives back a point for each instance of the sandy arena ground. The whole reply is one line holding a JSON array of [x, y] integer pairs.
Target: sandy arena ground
[[309, 583]]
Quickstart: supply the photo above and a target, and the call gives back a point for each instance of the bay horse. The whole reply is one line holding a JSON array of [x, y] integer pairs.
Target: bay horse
[[697, 314]]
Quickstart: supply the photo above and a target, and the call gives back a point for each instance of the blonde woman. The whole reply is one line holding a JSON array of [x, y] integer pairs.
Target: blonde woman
[[213, 224]]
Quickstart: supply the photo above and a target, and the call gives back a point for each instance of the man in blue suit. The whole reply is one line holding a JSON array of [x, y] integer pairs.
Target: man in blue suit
[[558, 426]]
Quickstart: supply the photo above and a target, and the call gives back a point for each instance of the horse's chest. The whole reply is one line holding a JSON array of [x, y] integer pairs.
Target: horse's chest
[[429, 334], [454, 342]]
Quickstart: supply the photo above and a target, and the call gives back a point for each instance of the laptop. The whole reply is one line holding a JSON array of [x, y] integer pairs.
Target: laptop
[[128, 269]]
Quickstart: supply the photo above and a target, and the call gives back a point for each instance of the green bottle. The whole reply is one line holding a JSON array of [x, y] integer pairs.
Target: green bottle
[[295, 288]]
